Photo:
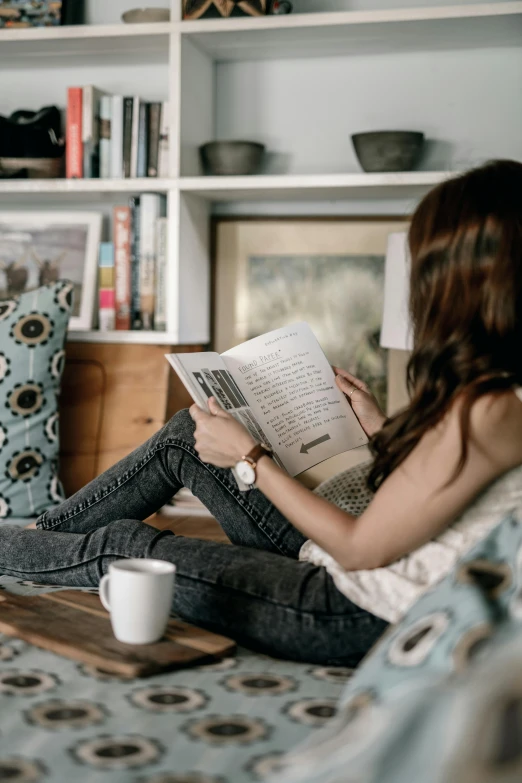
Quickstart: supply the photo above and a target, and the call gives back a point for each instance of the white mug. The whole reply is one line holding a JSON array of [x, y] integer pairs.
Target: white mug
[[138, 595]]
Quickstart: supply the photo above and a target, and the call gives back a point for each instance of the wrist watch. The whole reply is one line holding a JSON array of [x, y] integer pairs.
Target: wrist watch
[[246, 467]]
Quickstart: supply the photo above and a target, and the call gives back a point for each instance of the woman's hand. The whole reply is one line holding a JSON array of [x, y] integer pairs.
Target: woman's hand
[[363, 403], [220, 439]]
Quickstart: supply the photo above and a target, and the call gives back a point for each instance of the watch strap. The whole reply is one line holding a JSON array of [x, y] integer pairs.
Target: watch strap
[[256, 453]]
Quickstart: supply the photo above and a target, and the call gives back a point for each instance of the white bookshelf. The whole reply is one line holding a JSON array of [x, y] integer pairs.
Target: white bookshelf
[[300, 83]]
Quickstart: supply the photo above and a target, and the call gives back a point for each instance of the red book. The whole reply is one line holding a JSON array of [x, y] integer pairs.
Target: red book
[[122, 265], [73, 136]]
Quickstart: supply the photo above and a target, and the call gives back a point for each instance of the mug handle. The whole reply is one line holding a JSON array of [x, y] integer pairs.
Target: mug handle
[[104, 591]]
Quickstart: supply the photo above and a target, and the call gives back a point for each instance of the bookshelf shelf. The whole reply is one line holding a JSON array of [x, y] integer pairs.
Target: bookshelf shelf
[[296, 35], [310, 186], [283, 187], [358, 32], [124, 338], [37, 187], [57, 45]]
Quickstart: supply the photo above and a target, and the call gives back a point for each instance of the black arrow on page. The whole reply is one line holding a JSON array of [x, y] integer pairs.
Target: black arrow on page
[[305, 448]]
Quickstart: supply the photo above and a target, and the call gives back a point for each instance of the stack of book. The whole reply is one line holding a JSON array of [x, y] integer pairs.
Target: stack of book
[[132, 275], [115, 136]]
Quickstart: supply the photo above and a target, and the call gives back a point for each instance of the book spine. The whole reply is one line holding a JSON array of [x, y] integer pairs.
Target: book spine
[[153, 141], [136, 322], [117, 137], [150, 212], [134, 140], [87, 129], [163, 154], [160, 298], [74, 147], [105, 136], [142, 140], [122, 266], [128, 105], [107, 311]]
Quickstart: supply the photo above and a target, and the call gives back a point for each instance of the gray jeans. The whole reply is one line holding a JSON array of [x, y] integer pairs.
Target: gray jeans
[[255, 591]]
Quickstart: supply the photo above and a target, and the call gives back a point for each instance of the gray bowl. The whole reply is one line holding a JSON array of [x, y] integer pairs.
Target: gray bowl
[[231, 158], [388, 150]]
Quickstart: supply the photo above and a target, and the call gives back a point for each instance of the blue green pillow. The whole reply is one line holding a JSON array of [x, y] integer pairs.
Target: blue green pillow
[[33, 328], [397, 719]]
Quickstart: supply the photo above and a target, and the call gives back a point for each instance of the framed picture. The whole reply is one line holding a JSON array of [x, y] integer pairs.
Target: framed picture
[[40, 13], [326, 271], [37, 248]]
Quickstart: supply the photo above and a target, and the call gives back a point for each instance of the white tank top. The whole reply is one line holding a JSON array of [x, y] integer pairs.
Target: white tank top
[[389, 592]]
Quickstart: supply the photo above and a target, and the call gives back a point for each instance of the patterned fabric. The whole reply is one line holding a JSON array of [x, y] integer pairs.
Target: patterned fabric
[[414, 704], [229, 722], [389, 592], [32, 334]]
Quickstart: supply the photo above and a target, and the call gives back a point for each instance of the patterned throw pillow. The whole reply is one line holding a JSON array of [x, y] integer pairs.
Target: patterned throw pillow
[[33, 327], [412, 711]]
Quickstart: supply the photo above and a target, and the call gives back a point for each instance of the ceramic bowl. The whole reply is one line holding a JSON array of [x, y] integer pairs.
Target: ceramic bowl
[[388, 150], [232, 158], [143, 15]]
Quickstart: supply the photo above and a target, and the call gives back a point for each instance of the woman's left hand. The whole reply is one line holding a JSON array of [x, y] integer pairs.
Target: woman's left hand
[[220, 439]]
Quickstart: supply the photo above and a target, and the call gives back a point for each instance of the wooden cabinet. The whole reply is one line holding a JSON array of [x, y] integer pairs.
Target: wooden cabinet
[[113, 398]]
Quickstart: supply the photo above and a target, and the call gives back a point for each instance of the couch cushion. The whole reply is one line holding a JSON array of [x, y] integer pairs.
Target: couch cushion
[[396, 714], [32, 334]]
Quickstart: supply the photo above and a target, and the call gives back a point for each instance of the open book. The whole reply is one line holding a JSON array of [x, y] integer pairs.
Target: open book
[[282, 388]]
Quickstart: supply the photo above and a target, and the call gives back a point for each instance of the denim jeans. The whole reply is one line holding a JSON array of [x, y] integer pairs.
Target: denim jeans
[[255, 591]]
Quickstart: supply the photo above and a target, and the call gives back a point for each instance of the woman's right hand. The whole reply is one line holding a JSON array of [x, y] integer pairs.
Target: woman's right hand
[[364, 404]]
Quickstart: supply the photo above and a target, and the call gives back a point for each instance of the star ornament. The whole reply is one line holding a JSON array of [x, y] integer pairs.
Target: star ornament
[[195, 9]]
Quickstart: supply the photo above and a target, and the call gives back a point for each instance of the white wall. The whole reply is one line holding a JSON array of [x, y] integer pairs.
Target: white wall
[[110, 11], [307, 6], [467, 103]]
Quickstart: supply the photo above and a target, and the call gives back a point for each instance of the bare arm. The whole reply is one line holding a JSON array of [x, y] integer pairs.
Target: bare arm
[[411, 507]]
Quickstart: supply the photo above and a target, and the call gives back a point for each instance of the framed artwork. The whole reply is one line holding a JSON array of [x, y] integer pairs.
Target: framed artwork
[[326, 271], [38, 248], [39, 13]]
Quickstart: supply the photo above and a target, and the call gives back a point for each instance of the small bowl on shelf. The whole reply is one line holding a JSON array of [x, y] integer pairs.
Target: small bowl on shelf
[[387, 151], [146, 15], [231, 158]]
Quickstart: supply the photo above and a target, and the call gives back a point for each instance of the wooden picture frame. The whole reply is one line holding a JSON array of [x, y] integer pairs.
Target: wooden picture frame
[[37, 248], [338, 243], [235, 240]]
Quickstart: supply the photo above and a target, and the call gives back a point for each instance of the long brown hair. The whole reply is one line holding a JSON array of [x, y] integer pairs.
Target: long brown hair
[[465, 243]]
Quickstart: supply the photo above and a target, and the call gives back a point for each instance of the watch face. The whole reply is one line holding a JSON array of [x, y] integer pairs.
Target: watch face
[[246, 472]]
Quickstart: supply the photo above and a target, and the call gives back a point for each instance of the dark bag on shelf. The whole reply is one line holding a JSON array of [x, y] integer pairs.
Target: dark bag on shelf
[[32, 141]]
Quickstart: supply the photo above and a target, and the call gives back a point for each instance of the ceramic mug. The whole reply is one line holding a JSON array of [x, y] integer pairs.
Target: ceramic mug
[[138, 595]]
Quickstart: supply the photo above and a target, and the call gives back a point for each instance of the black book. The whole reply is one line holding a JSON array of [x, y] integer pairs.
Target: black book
[[127, 135], [136, 320], [154, 138], [143, 132]]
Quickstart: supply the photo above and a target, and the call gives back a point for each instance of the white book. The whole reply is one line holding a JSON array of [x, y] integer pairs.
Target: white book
[[151, 208], [135, 136], [117, 137], [282, 388], [163, 155], [160, 297], [105, 136]]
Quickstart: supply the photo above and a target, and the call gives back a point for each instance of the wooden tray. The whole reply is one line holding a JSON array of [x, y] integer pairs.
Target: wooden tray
[[75, 624]]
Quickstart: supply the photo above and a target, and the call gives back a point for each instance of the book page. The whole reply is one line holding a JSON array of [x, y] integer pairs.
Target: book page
[[290, 386], [206, 375]]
